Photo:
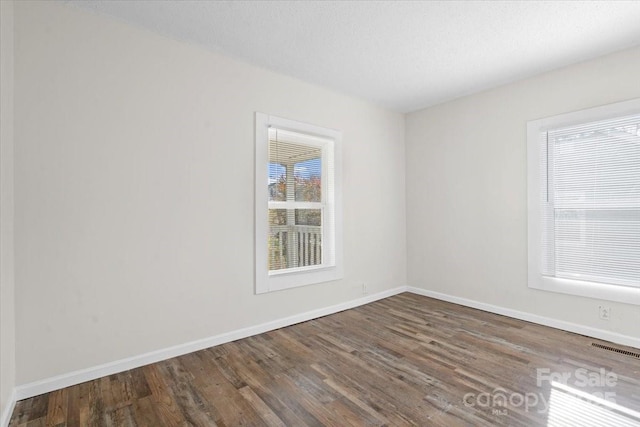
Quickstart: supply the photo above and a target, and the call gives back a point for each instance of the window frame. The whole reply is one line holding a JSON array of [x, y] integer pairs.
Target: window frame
[[609, 292], [331, 269]]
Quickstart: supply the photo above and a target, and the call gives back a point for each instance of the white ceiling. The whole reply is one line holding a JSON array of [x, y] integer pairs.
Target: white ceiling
[[400, 55]]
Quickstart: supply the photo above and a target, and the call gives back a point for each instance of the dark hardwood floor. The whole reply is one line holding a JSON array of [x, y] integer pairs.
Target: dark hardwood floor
[[404, 360]]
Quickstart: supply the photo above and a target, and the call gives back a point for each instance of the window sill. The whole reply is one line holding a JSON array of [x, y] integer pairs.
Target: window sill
[[617, 293], [308, 269], [299, 277]]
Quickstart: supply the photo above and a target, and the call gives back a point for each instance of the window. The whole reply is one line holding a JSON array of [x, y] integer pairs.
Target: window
[[298, 209], [584, 202]]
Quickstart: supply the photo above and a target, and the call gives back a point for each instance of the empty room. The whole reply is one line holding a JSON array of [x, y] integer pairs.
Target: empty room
[[319, 213]]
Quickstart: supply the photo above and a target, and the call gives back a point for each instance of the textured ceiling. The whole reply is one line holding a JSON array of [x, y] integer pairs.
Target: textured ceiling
[[400, 55]]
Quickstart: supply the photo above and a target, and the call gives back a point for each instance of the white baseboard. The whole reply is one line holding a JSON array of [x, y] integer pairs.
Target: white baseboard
[[65, 380], [541, 320], [8, 409]]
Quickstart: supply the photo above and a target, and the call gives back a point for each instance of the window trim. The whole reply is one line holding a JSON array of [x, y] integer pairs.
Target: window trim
[[609, 292], [302, 276]]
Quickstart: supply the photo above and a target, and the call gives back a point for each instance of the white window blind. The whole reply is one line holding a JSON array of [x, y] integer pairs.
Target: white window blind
[[590, 201], [301, 193]]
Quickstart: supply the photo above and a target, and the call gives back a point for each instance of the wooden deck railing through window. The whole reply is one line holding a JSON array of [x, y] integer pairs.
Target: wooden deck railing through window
[[305, 240]]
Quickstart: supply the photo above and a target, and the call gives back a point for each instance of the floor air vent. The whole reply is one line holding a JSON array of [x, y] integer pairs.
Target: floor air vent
[[617, 350]]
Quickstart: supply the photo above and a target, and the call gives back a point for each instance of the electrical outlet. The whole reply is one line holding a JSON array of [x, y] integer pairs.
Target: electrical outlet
[[364, 289], [605, 312]]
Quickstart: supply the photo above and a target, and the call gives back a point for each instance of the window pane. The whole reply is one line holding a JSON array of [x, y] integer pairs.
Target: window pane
[[278, 238], [277, 183], [309, 217], [598, 245], [295, 238], [295, 171], [308, 179]]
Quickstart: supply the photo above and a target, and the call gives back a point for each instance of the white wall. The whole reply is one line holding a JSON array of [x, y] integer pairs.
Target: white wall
[[134, 191], [7, 316], [467, 190]]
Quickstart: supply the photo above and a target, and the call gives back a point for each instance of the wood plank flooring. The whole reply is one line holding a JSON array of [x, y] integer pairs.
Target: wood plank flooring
[[406, 360]]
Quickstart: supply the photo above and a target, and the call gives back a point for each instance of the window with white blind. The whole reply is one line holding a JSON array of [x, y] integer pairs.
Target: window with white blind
[[584, 202], [298, 229]]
